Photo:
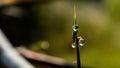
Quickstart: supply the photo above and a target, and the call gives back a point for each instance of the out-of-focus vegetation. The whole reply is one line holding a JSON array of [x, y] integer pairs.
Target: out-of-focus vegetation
[[99, 26]]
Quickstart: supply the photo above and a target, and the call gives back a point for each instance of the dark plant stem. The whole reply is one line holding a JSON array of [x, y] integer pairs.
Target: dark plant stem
[[77, 53]]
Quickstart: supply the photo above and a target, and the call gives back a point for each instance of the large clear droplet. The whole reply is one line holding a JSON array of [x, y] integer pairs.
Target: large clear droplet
[[73, 45], [81, 42]]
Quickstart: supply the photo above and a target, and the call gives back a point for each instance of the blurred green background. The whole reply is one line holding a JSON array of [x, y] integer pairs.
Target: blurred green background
[[99, 23]]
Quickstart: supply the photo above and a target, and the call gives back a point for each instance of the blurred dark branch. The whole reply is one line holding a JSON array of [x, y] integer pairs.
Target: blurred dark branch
[[38, 57]]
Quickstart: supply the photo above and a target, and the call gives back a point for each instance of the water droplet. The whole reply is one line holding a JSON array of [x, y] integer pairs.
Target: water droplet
[[81, 41], [73, 45], [75, 28]]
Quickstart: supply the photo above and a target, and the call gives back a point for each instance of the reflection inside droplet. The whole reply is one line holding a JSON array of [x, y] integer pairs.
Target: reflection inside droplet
[[81, 43]]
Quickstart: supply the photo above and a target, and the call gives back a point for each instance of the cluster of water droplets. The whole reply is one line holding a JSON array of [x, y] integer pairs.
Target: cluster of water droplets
[[81, 42]]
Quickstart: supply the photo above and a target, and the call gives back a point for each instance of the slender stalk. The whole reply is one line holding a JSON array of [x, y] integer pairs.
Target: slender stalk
[[75, 38], [78, 54]]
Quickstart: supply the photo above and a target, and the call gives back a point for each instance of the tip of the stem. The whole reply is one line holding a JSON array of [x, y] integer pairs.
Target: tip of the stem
[[74, 14]]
